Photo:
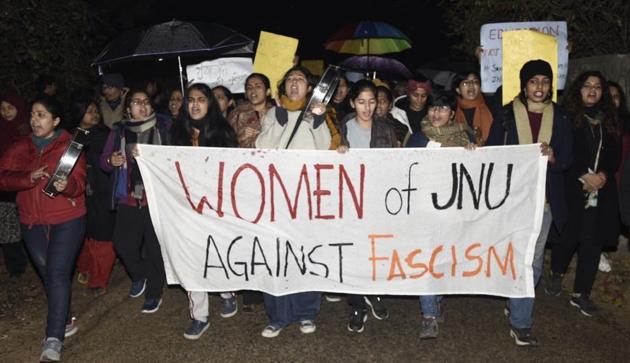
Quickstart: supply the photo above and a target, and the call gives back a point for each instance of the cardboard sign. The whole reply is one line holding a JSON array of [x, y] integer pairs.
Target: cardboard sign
[[227, 72], [274, 56]]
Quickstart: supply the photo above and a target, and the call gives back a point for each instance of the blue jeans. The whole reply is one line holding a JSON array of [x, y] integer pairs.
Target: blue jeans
[[54, 249], [283, 310], [522, 309], [430, 305]]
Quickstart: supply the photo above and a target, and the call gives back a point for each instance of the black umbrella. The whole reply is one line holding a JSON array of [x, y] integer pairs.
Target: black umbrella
[[175, 39]]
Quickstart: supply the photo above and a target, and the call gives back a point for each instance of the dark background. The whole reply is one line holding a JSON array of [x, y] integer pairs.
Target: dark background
[[420, 20]]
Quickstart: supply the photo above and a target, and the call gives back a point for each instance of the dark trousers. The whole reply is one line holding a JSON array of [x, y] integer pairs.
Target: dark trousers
[[53, 250], [138, 248], [283, 310], [14, 258], [252, 297], [588, 261]]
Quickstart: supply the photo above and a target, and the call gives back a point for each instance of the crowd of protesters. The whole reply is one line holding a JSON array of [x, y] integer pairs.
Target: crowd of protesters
[[100, 209]]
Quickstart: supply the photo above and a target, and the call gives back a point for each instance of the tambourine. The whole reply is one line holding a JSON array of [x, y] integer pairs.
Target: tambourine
[[67, 161], [324, 90]]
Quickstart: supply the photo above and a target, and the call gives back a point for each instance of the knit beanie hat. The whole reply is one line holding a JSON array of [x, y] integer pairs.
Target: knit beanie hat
[[113, 80], [534, 68]]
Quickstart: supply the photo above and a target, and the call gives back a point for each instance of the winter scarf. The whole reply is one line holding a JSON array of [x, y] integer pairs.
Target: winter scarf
[[451, 134], [483, 116], [523, 127]]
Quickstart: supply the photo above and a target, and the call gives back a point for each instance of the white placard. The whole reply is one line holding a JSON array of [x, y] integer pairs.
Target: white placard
[[228, 72], [492, 56]]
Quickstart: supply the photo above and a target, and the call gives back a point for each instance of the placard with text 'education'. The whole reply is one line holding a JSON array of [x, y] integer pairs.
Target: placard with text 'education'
[[375, 221]]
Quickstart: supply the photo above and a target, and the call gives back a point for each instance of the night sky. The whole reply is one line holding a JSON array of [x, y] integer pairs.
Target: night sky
[[420, 20]]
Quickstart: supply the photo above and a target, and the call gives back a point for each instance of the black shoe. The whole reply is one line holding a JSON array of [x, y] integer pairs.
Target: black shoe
[[523, 337], [553, 286], [379, 310], [357, 320], [585, 304]]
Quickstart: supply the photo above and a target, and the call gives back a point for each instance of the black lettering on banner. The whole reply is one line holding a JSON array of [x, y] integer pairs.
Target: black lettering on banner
[[317, 263], [453, 191], [302, 267], [340, 245], [508, 182], [254, 263], [476, 196], [210, 241], [229, 253]]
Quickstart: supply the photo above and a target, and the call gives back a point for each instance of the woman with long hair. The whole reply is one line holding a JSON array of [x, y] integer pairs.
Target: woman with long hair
[[203, 124], [590, 188]]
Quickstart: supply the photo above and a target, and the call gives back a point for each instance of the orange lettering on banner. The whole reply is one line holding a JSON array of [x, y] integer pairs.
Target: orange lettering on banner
[[374, 258], [396, 265], [509, 260], [410, 263], [432, 262], [469, 257], [454, 261]]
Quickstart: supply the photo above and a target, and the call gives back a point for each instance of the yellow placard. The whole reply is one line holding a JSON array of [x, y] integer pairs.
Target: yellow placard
[[316, 66], [274, 56], [521, 46]]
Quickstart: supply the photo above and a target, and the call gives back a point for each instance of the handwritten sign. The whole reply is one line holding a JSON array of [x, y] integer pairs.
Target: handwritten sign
[[227, 72], [372, 221], [274, 56], [492, 55], [520, 47]]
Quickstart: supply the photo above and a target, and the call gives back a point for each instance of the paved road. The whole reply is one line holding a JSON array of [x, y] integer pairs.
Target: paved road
[[112, 329]]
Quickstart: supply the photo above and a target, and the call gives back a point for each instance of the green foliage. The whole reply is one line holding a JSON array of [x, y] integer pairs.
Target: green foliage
[[595, 27], [42, 36]]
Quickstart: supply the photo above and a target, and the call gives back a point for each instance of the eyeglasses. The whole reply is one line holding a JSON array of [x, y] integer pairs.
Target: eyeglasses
[[440, 109], [471, 82], [145, 102]]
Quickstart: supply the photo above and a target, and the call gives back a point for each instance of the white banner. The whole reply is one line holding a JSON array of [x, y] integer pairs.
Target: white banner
[[374, 221], [227, 72], [492, 56]]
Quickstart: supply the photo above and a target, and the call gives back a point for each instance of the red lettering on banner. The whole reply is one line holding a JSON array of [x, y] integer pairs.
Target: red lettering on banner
[[358, 204], [274, 175], [204, 200], [319, 192], [261, 207]]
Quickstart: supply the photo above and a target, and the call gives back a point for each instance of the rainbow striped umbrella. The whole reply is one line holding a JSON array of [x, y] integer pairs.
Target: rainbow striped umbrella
[[368, 37]]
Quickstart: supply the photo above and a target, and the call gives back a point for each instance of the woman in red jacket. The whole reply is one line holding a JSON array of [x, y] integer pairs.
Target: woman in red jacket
[[51, 227]]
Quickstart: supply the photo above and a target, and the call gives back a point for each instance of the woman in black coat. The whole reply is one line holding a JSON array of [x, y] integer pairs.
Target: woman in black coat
[[590, 188]]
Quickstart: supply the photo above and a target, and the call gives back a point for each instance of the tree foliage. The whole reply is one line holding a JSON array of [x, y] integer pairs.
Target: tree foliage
[[41, 36], [595, 27]]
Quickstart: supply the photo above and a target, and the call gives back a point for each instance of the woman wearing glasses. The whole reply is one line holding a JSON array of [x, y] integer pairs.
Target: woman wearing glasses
[[51, 227], [591, 189], [471, 105], [134, 238]]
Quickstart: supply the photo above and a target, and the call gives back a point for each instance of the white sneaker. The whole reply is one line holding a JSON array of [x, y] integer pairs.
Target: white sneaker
[[307, 326], [271, 331], [604, 263]]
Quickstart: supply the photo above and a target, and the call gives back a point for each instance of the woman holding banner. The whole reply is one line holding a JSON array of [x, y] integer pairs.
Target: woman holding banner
[[591, 189], [285, 128], [361, 129], [532, 117], [203, 124], [439, 129]]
